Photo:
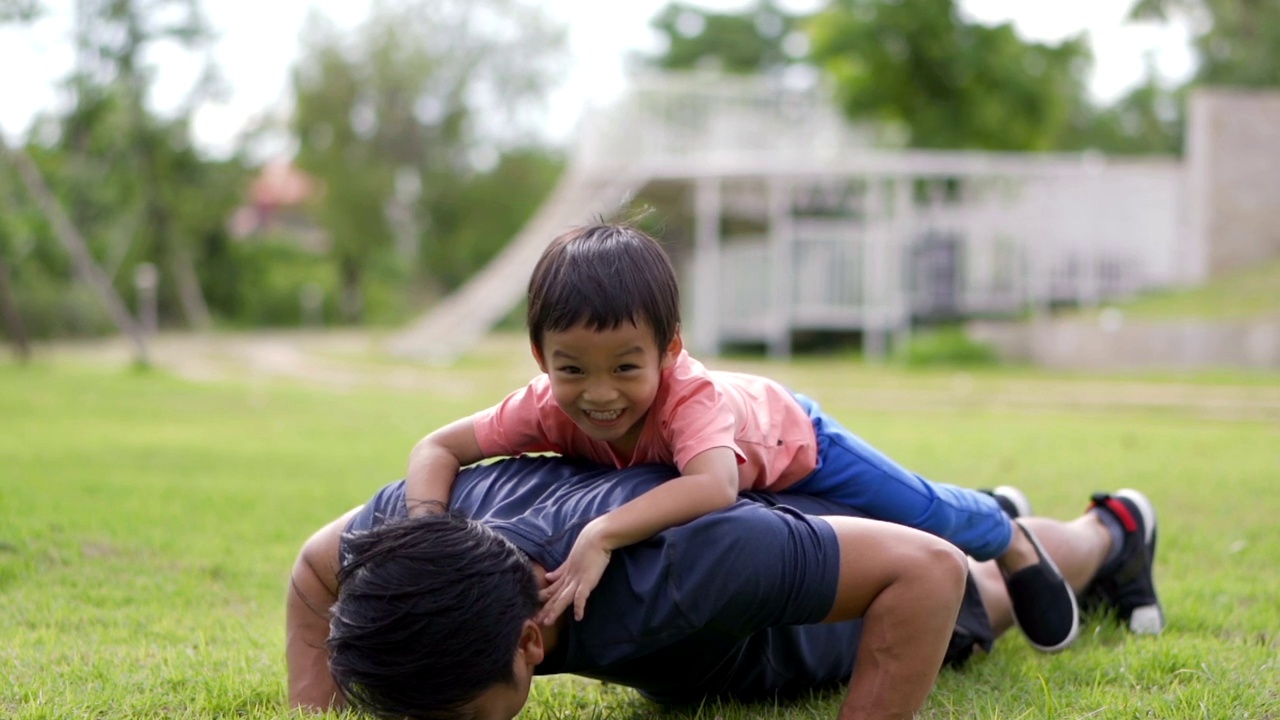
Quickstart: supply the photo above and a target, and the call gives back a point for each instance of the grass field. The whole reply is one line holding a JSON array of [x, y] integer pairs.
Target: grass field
[[147, 525]]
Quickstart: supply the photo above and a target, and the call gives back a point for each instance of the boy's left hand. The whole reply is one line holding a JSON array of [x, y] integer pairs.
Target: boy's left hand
[[574, 580]]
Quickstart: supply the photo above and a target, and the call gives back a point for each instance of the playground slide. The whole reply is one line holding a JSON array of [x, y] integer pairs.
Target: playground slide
[[450, 327]]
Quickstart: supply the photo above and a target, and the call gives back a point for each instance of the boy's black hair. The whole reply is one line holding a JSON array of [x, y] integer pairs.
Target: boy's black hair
[[602, 276], [429, 615]]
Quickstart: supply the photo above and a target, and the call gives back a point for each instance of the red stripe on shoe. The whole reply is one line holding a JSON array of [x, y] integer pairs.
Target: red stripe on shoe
[[1122, 511]]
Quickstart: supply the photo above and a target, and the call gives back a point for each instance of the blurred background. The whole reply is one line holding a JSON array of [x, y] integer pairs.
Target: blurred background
[[1087, 185]]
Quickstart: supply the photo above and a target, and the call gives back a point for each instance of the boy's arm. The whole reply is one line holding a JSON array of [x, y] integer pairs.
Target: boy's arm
[[313, 589], [709, 483], [434, 463]]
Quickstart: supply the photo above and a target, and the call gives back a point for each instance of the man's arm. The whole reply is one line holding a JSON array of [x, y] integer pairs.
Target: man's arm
[[434, 463], [907, 586], [313, 589]]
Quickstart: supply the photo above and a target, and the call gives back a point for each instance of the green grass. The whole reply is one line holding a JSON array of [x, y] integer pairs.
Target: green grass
[[1250, 293], [147, 525]]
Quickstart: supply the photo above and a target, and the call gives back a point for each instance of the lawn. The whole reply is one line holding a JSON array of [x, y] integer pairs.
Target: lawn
[[1249, 293], [147, 525]]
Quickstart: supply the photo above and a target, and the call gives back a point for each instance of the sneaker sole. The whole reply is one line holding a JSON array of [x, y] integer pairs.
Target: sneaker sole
[[1016, 497], [1145, 619]]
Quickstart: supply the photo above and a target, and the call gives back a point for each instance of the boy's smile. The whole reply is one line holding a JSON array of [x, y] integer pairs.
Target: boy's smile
[[606, 380]]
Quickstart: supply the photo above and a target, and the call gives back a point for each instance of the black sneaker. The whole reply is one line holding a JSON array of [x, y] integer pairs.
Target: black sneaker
[[1011, 500], [1044, 605], [1126, 583]]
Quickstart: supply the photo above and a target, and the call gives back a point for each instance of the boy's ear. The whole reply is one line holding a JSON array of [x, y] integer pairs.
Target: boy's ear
[[537, 356], [673, 349]]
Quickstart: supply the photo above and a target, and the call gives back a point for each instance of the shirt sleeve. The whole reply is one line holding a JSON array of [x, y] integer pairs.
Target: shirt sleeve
[[770, 567], [518, 424], [696, 418]]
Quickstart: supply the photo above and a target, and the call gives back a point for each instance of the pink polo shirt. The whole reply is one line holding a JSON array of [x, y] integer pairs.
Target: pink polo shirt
[[695, 410]]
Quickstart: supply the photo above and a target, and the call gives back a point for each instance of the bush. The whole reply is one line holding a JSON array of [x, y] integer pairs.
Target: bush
[[53, 308], [948, 347]]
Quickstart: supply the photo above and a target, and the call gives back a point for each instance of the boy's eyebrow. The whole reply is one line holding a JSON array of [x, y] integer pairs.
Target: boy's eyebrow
[[566, 355]]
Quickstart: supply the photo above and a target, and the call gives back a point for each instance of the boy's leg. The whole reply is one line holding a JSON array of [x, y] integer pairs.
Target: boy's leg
[[854, 473]]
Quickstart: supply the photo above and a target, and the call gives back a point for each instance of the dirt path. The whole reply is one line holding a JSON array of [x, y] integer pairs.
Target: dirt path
[[353, 359]]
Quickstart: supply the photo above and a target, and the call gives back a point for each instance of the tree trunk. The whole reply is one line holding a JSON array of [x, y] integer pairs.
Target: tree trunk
[[190, 294], [86, 268], [12, 318], [350, 299]]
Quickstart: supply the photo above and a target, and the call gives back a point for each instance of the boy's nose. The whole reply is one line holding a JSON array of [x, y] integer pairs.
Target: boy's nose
[[600, 392]]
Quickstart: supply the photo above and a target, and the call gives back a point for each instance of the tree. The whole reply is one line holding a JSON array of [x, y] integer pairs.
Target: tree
[[951, 83], [394, 120], [757, 39], [133, 147], [1238, 41], [1149, 119]]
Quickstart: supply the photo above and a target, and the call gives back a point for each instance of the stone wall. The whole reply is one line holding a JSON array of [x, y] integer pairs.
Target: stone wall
[[1112, 343], [1233, 167]]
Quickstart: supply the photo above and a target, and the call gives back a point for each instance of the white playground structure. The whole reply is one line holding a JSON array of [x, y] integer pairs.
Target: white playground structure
[[782, 218]]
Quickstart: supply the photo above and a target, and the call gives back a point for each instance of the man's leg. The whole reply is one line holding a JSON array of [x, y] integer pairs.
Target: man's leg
[[1106, 554]]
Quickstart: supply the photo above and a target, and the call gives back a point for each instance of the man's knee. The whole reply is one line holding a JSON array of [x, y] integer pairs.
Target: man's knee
[[945, 566]]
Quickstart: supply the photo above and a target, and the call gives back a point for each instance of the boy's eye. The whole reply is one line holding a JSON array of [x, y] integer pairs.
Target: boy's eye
[[628, 368], [571, 370]]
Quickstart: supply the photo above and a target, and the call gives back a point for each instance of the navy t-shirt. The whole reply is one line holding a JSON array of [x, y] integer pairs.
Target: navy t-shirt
[[723, 606]]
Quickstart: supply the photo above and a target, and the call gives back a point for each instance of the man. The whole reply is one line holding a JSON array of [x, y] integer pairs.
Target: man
[[434, 616]]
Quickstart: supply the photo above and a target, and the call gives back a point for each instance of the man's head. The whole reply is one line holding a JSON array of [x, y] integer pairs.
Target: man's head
[[434, 620]]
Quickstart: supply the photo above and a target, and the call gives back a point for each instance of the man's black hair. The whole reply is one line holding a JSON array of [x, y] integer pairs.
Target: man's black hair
[[602, 276], [429, 615]]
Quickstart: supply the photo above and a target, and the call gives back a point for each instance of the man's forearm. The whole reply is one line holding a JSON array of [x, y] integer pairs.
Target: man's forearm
[[310, 596], [311, 685]]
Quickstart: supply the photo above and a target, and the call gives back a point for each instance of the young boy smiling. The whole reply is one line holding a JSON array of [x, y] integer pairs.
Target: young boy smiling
[[618, 388]]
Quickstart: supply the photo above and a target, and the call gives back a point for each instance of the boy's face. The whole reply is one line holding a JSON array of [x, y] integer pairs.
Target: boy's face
[[606, 380]]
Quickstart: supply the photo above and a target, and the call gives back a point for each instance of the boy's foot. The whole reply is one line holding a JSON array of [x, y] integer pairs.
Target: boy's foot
[[1044, 605], [1011, 500], [1126, 583]]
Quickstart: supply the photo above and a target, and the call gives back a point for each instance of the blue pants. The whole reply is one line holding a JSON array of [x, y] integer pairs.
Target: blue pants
[[853, 473]]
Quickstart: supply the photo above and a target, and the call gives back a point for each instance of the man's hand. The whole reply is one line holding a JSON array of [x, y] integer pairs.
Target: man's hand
[[574, 580]]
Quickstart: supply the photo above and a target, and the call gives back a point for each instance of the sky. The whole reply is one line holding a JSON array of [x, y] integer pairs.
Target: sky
[[257, 43]]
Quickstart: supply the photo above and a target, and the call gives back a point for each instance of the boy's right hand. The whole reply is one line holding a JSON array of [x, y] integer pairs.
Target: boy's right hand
[[418, 508], [434, 463]]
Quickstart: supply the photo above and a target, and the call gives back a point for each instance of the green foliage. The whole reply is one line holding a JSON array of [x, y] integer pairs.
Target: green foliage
[[21, 11], [750, 41], [488, 209], [952, 84], [388, 119], [947, 346], [1238, 43], [52, 308], [262, 283], [1150, 119]]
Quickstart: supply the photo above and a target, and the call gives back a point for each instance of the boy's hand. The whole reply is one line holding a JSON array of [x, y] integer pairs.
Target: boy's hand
[[574, 580]]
